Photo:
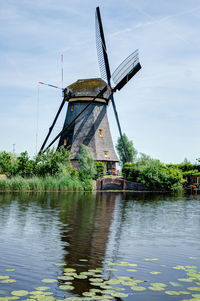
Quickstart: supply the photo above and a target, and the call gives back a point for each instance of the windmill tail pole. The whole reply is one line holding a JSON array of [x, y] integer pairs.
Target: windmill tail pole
[[52, 126], [66, 127]]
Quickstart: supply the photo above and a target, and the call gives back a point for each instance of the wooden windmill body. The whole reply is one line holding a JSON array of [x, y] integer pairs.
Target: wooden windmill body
[[92, 127]]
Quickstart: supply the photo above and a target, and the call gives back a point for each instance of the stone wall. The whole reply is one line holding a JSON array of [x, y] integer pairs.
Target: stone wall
[[117, 183]]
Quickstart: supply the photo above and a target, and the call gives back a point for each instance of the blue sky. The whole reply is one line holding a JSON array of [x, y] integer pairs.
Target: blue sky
[[158, 109]]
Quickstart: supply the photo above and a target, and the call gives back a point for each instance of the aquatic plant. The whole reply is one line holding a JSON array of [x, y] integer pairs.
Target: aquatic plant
[[103, 288]]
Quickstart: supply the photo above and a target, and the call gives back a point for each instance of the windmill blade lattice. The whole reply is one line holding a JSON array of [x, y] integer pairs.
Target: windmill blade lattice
[[126, 67], [101, 49]]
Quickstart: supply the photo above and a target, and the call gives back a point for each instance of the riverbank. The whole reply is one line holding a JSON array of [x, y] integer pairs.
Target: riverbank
[[66, 184]]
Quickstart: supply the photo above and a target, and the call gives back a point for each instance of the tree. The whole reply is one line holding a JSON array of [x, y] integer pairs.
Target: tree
[[86, 163], [186, 161], [6, 163], [49, 163], [131, 151]]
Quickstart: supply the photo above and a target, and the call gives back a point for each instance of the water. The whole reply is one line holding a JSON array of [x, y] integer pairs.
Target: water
[[39, 231]]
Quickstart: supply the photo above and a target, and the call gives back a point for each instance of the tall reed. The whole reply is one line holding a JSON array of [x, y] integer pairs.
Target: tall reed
[[48, 183]]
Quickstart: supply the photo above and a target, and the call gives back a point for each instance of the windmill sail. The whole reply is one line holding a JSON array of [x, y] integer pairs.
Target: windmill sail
[[101, 49], [105, 68], [126, 70]]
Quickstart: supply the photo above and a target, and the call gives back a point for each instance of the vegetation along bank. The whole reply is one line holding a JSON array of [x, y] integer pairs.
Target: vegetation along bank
[[52, 171]]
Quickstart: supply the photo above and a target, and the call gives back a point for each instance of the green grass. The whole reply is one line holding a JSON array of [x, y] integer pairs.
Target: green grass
[[48, 183]]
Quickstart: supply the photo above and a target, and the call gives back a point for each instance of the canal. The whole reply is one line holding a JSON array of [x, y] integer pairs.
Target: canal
[[99, 246]]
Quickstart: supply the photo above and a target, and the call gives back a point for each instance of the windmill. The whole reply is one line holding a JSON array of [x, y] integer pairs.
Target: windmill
[[86, 119]]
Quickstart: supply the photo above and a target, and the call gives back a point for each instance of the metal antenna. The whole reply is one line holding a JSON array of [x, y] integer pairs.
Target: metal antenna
[[37, 118], [105, 68]]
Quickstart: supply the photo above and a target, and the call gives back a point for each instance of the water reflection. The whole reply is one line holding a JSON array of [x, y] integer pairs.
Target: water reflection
[[38, 230]]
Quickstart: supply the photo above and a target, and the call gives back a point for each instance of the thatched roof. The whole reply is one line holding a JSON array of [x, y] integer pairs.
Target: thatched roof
[[87, 87]]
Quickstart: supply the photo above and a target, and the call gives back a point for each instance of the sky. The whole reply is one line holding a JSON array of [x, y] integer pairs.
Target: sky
[[159, 108]]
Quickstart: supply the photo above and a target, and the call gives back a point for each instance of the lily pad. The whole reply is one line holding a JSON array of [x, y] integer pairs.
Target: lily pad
[[81, 277], [174, 283], [66, 287], [155, 273], [179, 267], [138, 288], [113, 281], [96, 279], [49, 280], [9, 270], [65, 278], [4, 277], [36, 293], [42, 288], [158, 284], [20, 293], [196, 295], [151, 259], [69, 270], [131, 270], [119, 295], [186, 279], [195, 288], [172, 293], [89, 294], [8, 281]]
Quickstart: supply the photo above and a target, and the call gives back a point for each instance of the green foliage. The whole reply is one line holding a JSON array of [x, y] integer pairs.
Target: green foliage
[[50, 171], [184, 166], [24, 166], [188, 175], [48, 163], [153, 174], [131, 151], [130, 172], [100, 169], [6, 163], [86, 163]]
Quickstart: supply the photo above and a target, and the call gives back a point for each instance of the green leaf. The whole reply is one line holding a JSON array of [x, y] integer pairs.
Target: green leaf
[[20, 293], [49, 280]]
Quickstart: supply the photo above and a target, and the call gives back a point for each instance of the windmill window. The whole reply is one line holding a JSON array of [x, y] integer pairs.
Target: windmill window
[[65, 142], [101, 133], [72, 108], [106, 154]]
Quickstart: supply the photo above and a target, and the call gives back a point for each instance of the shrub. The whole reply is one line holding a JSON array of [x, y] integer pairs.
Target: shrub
[[188, 175], [100, 169], [153, 174], [86, 163], [130, 172]]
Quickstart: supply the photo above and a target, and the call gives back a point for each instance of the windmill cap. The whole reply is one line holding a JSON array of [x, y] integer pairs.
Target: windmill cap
[[87, 89]]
